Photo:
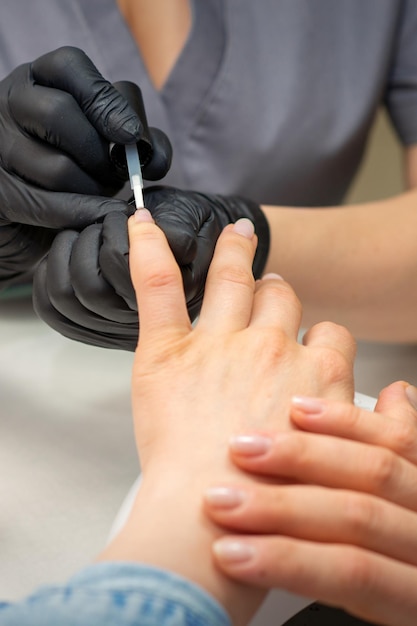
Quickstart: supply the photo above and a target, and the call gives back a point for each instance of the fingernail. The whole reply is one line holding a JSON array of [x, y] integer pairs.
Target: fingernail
[[308, 405], [224, 497], [244, 227], [272, 275], [411, 393], [250, 445], [233, 551], [143, 215]]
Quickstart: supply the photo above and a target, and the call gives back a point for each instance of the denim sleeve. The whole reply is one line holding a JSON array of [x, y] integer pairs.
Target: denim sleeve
[[122, 594]]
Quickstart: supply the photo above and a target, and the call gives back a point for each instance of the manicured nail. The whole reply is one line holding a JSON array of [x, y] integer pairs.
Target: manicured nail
[[272, 275], [244, 227], [308, 405], [233, 551], [250, 445], [224, 497], [143, 215], [411, 393]]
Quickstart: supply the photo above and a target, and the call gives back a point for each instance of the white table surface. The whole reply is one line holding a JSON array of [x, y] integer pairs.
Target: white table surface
[[67, 454]]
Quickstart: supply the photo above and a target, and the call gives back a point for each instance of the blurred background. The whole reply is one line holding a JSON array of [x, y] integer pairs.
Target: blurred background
[[381, 174]]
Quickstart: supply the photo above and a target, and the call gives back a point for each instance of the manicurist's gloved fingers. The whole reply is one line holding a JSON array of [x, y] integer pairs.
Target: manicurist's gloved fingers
[[90, 287], [45, 113], [63, 312], [114, 257], [34, 162], [371, 586], [161, 158], [61, 285], [157, 280], [394, 429], [38, 207], [69, 69], [48, 313], [230, 284]]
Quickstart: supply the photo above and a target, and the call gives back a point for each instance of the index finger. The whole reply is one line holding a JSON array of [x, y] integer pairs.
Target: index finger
[[156, 278]]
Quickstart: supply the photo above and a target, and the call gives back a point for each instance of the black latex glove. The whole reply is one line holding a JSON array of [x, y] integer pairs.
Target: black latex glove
[[83, 289], [57, 118]]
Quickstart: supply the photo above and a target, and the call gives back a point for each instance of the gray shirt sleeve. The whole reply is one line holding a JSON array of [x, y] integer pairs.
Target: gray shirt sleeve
[[401, 90]]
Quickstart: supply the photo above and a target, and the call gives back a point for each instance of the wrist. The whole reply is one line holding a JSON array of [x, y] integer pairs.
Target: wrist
[[168, 530]]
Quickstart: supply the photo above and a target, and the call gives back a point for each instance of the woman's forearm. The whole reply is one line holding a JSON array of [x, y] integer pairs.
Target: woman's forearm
[[355, 265]]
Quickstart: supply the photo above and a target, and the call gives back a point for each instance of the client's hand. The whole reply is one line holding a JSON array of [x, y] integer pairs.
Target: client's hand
[[193, 388], [350, 539], [237, 368]]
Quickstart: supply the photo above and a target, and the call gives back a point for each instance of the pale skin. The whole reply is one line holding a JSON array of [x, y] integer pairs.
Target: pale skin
[[347, 539], [192, 388], [356, 265]]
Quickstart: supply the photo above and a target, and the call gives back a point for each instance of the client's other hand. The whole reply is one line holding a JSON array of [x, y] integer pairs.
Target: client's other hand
[[346, 532]]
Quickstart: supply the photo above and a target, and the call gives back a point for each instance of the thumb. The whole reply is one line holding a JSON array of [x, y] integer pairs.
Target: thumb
[[57, 210]]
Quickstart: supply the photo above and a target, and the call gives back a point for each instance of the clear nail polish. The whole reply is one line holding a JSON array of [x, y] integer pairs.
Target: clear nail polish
[[250, 445], [244, 227], [308, 405], [224, 497], [233, 551]]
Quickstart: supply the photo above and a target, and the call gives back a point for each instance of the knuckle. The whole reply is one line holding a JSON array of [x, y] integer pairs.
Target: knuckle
[[160, 279], [235, 275], [271, 348], [358, 573], [333, 365], [360, 514], [382, 467], [63, 171], [52, 108], [404, 439], [297, 455]]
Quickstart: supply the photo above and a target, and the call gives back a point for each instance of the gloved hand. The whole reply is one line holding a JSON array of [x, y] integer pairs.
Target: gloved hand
[[57, 118], [83, 289]]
